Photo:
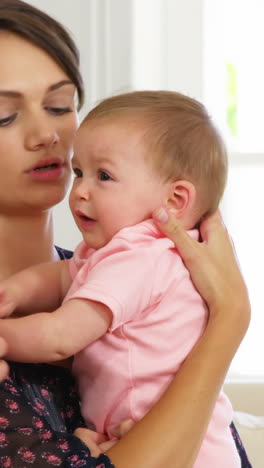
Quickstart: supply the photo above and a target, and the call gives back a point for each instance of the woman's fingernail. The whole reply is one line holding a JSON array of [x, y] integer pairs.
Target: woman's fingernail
[[161, 215]]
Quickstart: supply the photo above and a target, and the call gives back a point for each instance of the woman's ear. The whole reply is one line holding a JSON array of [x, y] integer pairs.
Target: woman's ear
[[182, 196]]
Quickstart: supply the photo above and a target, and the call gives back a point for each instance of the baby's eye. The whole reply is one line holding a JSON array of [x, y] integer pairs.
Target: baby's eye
[[78, 173], [104, 176]]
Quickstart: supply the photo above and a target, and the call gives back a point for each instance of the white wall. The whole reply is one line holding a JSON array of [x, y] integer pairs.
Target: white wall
[[103, 32]]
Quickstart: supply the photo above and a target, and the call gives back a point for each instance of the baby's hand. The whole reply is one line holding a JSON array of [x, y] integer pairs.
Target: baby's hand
[[7, 301], [123, 428], [118, 432], [92, 439], [99, 443]]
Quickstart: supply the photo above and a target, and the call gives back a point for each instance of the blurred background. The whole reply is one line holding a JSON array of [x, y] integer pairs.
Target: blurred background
[[211, 50]]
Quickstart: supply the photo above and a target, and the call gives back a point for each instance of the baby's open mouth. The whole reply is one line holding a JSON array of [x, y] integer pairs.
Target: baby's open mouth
[[86, 218]]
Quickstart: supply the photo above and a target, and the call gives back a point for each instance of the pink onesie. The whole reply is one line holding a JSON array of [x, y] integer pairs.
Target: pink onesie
[[158, 316]]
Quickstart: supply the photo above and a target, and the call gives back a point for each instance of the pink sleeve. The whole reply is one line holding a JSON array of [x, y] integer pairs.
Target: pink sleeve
[[123, 281], [73, 268]]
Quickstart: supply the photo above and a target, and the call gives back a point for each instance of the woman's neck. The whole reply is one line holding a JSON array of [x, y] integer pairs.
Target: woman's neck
[[25, 241]]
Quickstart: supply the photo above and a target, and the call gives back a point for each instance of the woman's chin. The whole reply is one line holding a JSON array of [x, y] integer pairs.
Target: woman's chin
[[38, 203], [52, 199], [32, 198], [51, 196]]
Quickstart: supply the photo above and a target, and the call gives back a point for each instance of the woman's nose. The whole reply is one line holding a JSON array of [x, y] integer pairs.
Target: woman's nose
[[41, 134]]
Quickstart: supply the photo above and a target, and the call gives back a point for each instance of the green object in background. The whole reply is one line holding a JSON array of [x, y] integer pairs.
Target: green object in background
[[231, 111]]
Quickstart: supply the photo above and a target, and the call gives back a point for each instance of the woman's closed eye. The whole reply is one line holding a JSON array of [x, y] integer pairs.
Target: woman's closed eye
[[59, 110], [7, 120]]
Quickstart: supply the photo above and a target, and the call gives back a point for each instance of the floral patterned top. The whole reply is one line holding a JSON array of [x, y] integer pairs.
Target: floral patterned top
[[38, 414]]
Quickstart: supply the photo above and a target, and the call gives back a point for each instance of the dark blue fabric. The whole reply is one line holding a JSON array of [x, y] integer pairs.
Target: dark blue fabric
[[245, 463], [63, 253], [39, 411]]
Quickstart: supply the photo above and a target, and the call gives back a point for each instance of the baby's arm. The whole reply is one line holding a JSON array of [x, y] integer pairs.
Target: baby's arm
[[49, 337], [41, 287]]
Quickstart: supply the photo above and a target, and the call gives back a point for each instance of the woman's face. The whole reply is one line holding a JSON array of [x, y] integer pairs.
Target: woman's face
[[38, 121]]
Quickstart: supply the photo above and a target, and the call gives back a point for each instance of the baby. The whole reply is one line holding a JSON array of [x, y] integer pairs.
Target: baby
[[130, 313]]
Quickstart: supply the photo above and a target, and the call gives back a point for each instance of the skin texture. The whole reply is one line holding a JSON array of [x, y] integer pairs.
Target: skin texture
[[116, 184], [26, 238], [109, 158], [24, 115], [34, 128]]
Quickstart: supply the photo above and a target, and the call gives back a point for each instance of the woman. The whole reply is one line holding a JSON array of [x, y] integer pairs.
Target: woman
[[39, 80]]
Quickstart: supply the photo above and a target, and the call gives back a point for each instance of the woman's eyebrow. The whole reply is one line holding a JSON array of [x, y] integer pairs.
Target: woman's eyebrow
[[17, 94], [12, 94], [60, 84]]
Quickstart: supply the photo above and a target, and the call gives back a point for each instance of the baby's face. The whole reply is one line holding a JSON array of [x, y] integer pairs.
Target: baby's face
[[115, 184]]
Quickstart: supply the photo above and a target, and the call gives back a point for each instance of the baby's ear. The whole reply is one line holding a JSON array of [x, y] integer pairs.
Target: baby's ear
[[181, 198]]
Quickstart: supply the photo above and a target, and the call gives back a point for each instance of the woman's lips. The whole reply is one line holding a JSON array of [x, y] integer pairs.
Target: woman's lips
[[47, 170]]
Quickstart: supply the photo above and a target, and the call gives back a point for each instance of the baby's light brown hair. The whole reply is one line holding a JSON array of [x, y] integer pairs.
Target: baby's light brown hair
[[179, 136]]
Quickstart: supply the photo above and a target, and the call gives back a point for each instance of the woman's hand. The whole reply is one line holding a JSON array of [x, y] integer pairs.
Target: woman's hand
[[212, 264], [3, 364]]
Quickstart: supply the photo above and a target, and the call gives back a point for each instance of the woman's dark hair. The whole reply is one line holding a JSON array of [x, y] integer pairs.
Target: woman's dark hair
[[42, 30]]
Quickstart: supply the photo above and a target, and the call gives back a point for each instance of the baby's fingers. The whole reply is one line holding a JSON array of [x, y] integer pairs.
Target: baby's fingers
[[7, 305], [122, 429], [90, 439], [3, 365]]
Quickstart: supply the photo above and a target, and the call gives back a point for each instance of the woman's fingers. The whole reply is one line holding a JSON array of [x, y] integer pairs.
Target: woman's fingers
[[173, 229], [212, 225], [212, 263]]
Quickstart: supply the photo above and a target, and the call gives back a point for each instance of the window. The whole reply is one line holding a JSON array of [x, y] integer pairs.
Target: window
[[234, 92], [234, 38]]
